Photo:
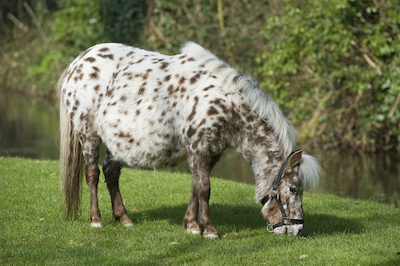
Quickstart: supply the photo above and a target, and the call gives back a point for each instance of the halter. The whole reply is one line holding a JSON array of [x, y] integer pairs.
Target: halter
[[285, 219]]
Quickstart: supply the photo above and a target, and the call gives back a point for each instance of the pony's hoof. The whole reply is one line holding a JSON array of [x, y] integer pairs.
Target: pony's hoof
[[211, 236], [193, 231], [126, 221], [95, 224], [210, 233], [127, 224]]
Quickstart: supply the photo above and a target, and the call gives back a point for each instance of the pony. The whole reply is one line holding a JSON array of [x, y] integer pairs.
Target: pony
[[151, 109]]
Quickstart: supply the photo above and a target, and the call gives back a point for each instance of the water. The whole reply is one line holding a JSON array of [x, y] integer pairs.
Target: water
[[29, 128]]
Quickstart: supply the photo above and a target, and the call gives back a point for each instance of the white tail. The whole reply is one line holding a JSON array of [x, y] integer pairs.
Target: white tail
[[71, 161]]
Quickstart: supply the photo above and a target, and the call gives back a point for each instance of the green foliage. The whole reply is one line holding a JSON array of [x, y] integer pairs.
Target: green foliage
[[78, 25], [333, 66], [337, 231], [232, 32], [123, 19]]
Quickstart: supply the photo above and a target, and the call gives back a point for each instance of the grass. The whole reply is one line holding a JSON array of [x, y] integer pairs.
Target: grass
[[33, 232]]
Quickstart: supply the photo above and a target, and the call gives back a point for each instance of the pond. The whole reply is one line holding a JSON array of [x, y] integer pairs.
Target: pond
[[29, 128]]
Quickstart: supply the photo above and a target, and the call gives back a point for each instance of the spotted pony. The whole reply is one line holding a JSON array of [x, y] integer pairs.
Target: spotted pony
[[151, 109]]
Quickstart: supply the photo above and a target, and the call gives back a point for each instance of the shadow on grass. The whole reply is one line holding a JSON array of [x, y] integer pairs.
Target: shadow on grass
[[323, 224], [239, 217], [231, 218]]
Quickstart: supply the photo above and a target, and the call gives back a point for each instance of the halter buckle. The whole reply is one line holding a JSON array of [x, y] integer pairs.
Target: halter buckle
[[286, 221]]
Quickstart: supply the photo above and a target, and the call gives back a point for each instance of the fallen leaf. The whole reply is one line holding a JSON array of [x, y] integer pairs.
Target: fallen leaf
[[41, 219], [304, 256]]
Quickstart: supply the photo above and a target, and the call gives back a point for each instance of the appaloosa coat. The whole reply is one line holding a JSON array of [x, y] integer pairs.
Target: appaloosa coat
[[152, 109]]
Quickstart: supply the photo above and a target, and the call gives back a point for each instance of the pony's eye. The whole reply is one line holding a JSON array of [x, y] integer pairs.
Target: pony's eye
[[293, 190]]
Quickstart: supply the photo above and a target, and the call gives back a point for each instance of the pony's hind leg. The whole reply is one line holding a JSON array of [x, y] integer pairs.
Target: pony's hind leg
[[92, 172], [112, 170]]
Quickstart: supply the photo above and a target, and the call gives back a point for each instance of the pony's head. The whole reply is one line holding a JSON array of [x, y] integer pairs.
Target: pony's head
[[283, 207]]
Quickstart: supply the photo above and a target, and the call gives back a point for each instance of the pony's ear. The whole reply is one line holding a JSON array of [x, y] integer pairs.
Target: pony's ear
[[294, 158]]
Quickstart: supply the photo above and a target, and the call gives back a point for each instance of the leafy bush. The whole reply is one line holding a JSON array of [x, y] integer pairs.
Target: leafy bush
[[78, 25], [123, 19], [73, 28], [232, 30], [334, 67]]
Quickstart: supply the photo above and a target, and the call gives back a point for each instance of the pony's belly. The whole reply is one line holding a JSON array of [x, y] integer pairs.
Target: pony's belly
[[144, 149], [153, 159]]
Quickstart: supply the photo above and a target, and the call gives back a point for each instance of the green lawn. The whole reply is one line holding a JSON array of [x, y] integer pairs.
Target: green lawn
[[33, 232]]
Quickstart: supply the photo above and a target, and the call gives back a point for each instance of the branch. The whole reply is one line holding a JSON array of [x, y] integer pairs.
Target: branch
[[396, 103], [37, 22], [221, 18], [367, 58], [18, 23]]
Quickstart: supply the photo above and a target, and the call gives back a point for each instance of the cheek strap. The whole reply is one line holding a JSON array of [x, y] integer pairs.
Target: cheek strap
[[285, 219]]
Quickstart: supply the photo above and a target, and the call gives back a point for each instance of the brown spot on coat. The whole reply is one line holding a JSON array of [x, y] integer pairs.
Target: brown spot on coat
[[93, 75], [193, 113], [164, 65], [209, 87], [90, 59], [170, 89], [109, 56], [181, 80], [202, 122], [212, 111], [191, 131], [194, 78]]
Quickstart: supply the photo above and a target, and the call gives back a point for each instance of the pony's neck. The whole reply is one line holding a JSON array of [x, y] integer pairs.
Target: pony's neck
[[265, 155]]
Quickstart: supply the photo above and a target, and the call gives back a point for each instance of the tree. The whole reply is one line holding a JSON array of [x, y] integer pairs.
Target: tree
[[334, 67]]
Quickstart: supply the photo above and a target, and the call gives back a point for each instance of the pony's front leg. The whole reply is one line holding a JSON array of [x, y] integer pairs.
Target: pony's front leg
[[190, 219], [200, 165], [112, 171]]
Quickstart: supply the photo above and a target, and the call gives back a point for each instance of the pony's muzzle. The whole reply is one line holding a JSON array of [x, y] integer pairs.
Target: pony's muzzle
[[291, 230]]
